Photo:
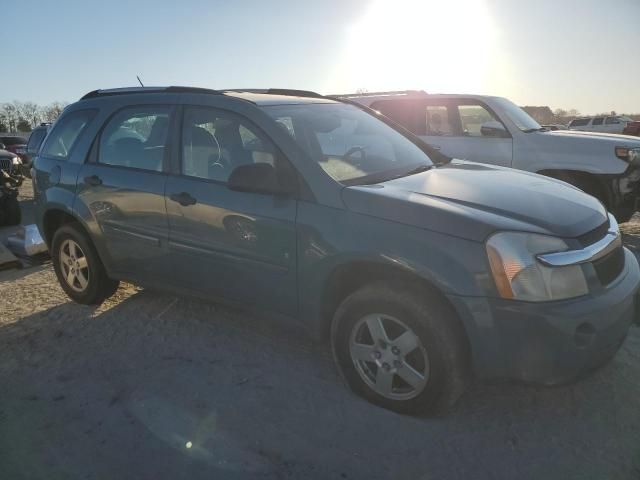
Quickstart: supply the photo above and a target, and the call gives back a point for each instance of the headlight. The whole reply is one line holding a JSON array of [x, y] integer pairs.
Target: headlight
[[16, 161], [631, 155], [518, 275]]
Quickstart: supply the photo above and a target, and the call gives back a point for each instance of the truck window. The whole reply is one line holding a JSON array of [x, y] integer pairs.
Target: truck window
[[438, 121], [611, 120], [400, 111], [579, 122], [598, 121], [472, 117]]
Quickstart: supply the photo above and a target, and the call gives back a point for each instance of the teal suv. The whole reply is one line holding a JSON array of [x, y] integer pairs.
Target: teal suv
[[421, 270]]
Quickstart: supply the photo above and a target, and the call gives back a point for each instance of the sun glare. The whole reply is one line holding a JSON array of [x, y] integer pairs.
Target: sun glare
[[420, 44]]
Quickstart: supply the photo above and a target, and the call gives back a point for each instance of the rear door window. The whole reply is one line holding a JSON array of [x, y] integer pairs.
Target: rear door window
[[136, 137], [598, 121], [65, 134], [438, 121]]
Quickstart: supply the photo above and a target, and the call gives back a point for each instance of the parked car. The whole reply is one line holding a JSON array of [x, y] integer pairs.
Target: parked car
[[494, 130], [324, 212], [13, 143], [632, 128], [604, 124], [33, 144], [10, 181]]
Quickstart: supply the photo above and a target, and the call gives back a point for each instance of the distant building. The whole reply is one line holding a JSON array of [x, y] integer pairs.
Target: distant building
[[542, 115]]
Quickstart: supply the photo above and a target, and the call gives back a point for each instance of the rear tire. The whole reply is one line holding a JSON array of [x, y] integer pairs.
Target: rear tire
[[428, 373], [78, 267]]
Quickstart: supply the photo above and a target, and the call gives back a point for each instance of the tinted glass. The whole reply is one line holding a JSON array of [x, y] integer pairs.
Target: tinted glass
[[215, 142], [65, 133], [598, 121], [136, 138], [36, 139], [579, 122], [610, 120], [397, 110], [349, 144], [10, 141]]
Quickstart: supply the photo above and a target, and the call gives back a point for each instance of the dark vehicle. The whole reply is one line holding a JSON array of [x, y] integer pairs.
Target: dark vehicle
[[10, 180], [13, 143], [632, 128], [421, 274], [33, 144]]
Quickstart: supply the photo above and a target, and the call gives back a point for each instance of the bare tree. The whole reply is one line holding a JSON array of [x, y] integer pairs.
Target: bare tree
[[31, 112], [10, 115], [52, 111]]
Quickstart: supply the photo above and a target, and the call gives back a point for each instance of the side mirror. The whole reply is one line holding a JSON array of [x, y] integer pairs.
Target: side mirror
[[493, 128], [256, 178]]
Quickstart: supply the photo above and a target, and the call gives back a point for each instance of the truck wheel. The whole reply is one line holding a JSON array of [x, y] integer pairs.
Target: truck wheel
[[79, 269], [401, 350]]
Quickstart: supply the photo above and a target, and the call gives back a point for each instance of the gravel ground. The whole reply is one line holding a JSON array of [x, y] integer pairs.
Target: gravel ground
[[149, 386]]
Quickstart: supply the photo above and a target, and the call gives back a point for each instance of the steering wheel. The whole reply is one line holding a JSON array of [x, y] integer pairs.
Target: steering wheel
[[356, 149]]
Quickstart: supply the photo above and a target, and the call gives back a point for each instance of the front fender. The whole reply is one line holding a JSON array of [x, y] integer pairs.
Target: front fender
[[452, 265]]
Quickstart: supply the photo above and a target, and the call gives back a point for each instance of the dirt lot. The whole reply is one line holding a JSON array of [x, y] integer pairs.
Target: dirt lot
[[150, 386]]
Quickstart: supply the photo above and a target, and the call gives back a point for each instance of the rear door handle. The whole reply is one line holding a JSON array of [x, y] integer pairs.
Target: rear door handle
[[435, 147], [183, 198], [93, 180]]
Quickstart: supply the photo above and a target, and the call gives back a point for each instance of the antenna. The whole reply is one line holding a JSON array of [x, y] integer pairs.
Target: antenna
[[139, 81]]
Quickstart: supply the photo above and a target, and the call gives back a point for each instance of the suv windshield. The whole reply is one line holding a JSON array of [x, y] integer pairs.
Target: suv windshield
[[350, 145], [519, 117]]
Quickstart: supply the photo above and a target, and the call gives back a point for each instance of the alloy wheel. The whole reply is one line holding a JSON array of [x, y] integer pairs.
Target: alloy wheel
[[389, 357], [74, 266]]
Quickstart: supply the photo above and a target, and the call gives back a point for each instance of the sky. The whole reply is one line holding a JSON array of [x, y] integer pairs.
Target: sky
[[581, 54]]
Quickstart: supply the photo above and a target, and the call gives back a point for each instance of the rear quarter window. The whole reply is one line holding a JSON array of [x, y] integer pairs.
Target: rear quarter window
[[65, 133]]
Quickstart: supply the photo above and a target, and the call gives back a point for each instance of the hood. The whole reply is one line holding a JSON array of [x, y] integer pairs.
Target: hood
[[612, 138], [6, 154], [473, 200]]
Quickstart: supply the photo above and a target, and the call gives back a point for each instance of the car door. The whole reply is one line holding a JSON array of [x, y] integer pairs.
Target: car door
[[465, 129], [597, 125], [237, 245], [122, 185]]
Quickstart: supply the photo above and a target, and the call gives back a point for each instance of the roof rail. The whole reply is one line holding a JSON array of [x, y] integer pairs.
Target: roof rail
[[374, 94], [278, 91], [134, 90]]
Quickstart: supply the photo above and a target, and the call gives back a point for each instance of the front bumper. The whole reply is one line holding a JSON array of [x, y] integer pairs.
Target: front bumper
[[551, 342]]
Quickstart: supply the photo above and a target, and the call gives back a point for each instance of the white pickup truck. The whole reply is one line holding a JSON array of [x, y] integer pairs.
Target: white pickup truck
[[494, 130]]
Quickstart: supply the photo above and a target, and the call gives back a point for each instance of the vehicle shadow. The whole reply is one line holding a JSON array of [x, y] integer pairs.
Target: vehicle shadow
[[165, 387]]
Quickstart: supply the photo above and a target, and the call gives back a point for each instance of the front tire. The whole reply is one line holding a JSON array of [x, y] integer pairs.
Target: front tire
[[401, 349], [78, 267]]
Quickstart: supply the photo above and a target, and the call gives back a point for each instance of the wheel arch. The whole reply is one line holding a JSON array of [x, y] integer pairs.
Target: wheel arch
[[348, 277]]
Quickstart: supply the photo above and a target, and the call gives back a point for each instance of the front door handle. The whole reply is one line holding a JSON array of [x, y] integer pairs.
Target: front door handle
[[183, 198], [93, 180]]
